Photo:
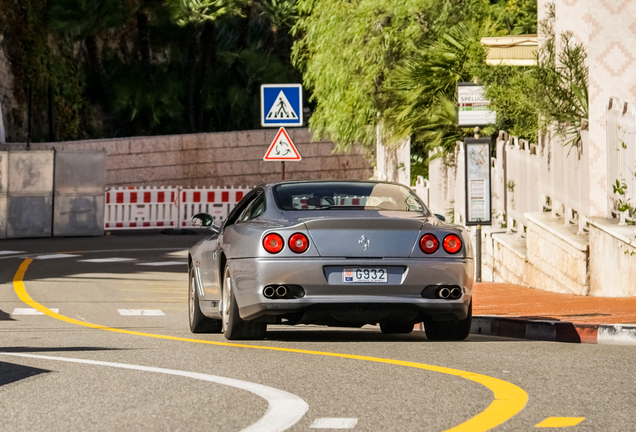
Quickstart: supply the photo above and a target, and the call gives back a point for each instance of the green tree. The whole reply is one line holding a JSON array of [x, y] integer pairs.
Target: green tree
[[199, 16], [86, 20], [358, 57]]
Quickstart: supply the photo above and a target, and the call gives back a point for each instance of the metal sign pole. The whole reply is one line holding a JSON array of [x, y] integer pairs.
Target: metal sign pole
[[282, 170], [478, 234]]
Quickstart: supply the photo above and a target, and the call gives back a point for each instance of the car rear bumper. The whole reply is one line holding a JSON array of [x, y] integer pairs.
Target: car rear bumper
[[346, 302]]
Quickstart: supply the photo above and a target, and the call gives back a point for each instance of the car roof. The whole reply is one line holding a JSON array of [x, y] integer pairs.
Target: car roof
[[271, 185]]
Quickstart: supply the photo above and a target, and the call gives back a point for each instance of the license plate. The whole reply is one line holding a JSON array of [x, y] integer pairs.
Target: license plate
[[364, 275]]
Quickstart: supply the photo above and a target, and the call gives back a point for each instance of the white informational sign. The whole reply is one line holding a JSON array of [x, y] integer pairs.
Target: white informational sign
[[282, 148], [281, 105], [477, 156], [474, 108], [2, 136]]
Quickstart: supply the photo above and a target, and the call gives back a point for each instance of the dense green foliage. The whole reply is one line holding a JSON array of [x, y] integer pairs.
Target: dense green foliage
[[529, 100], [144, 67], [396, 62]]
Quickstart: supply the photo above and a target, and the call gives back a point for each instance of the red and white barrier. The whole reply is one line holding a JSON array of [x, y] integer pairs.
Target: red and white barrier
[[171, 207], [140, 208], [217, 202], [302, 204]]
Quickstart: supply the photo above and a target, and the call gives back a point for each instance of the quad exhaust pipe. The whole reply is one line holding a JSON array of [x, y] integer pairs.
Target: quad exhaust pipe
[[272, 292], [281, 291], [269, 292], [452, 293]]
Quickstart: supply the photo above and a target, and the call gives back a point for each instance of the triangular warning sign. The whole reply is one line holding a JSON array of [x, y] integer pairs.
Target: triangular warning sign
[[281, 109], [282, 148]]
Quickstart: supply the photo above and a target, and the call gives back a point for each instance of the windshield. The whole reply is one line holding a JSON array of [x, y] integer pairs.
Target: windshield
[[347, 195]]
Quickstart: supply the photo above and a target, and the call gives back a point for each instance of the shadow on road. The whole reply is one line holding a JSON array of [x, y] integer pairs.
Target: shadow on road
[[10, 372], [363, 335]]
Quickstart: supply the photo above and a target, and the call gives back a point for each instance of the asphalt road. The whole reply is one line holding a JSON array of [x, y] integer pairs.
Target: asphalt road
[[118, 355]]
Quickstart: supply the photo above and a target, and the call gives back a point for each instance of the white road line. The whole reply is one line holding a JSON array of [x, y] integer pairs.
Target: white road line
[[164, 263], [107, 260], [55, 256], [11, 252], [334, 423], [31, 311], [145, 312], [284, 411], [104, 251]]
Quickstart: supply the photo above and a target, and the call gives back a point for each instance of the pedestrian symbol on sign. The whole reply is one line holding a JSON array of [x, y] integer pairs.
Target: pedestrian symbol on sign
[[281, 105], [282, 109]]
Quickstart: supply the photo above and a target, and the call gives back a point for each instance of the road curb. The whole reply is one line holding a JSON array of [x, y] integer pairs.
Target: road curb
[[554, 331]]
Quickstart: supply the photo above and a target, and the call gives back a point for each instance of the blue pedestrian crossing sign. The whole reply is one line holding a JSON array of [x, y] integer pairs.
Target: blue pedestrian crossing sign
[[281, 105]]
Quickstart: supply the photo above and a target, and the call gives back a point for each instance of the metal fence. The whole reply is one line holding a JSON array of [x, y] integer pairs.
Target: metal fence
[[621, 158]]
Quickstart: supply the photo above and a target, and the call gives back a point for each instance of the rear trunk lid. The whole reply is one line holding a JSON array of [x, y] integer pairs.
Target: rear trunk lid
[[365, 237]]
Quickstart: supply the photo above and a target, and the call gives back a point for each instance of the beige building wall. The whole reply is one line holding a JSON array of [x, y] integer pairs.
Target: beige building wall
[[608, 30], [215, 159]]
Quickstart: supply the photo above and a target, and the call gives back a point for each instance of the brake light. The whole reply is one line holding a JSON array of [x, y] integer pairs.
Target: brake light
[[429, 243], [298, 243], [452, 244], [273, 243]]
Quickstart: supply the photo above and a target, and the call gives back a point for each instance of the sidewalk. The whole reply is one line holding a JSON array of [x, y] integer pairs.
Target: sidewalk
[[502, 309]]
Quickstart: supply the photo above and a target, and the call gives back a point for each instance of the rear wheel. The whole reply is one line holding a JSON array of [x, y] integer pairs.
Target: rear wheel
[[199, 323], [396, 328], [449, 330], [234, 327]]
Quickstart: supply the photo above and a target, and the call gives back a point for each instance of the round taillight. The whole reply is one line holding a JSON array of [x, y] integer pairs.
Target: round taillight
[[273, 243], [429, 243], [452, 244], [298, 243]]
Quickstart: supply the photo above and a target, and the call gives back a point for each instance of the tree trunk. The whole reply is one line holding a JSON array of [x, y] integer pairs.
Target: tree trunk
[[96, 64], [193, 54], [208, 62], [143, 33]]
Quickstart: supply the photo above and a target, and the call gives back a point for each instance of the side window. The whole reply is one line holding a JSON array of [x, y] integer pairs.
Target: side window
[[235, 214], [254, 210]]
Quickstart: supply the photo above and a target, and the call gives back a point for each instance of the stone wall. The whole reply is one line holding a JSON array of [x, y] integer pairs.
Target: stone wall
[[557, 256], [553, 257], [612, 259], [215, 159]]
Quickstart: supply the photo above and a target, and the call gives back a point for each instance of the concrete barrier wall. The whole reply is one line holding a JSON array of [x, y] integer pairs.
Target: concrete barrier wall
[[214, 159], [30, 194], [79, 193]]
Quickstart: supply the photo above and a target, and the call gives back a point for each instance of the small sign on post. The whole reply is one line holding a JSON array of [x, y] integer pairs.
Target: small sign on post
[[281, 105], [477, 175], [473, 107], [477, 170], [282, 149]]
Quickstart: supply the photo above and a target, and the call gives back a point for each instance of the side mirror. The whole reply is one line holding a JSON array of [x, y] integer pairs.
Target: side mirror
[[204, 220], [440, 217]]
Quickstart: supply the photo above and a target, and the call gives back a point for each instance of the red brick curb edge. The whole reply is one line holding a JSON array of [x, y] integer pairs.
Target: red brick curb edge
[[555, 331]]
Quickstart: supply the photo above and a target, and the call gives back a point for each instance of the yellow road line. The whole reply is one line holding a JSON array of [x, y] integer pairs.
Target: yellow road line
[[552, 422], [508, 398]]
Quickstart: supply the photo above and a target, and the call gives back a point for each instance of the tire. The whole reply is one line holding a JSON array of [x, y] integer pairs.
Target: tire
[[449, 330], [396, 328], [234, 327], [199, 323]]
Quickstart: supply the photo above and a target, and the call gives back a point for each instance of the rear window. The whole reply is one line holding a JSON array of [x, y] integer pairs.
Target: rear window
[[347, 196]]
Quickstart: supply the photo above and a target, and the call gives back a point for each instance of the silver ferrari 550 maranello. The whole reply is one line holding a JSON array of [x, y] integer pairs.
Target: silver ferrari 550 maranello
[[335, 253]]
